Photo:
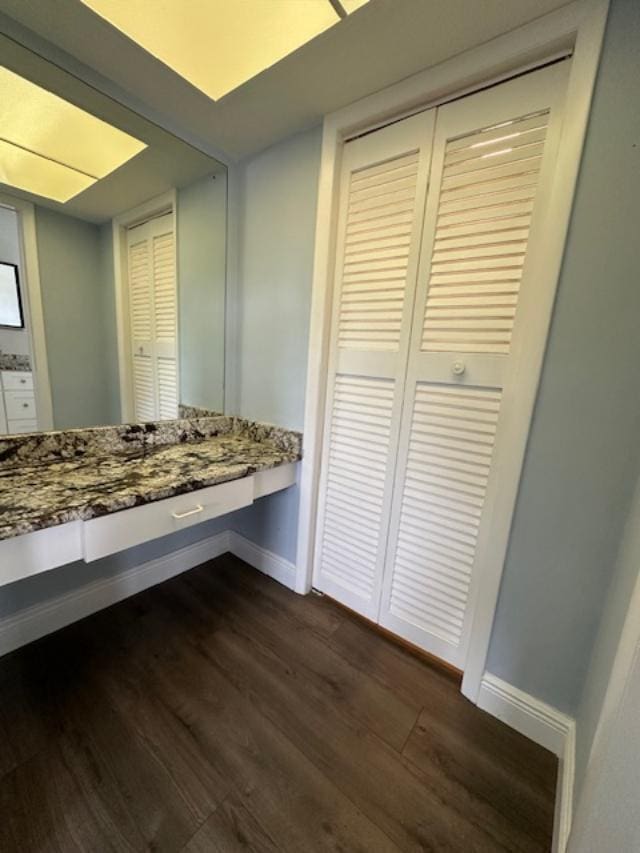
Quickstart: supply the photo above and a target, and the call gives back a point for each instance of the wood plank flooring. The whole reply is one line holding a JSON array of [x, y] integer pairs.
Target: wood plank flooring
[[221, 712]]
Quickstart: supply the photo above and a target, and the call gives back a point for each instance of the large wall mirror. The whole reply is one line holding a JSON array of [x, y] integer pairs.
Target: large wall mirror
[[112, 259]]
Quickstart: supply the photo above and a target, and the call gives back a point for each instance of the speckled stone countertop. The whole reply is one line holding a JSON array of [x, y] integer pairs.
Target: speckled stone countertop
[[52, 478], [187, 411], [14, 361]]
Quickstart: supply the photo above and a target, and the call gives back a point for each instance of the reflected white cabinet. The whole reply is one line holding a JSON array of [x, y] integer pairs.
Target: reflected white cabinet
[[17, 402]]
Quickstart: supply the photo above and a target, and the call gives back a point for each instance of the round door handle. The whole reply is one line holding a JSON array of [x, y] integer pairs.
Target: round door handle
[[458, 368], [25, 405]]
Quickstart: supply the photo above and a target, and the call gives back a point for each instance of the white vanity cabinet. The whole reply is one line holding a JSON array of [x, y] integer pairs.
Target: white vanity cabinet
[[17, 402], [42, 550], [112, 533]]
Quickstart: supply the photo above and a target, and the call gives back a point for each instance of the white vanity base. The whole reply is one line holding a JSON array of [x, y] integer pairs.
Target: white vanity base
[[47, 549], [43, 618]]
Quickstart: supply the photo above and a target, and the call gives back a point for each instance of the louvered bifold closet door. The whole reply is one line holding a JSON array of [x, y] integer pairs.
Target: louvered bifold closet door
[[165, 312], [140, 269], [153, 309], [479, 302], [382, 195]]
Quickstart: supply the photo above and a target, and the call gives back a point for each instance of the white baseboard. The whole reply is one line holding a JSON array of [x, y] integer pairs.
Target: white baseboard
[[563, 814], [545, 725], [265, 561], [34, 622], [529, 716]]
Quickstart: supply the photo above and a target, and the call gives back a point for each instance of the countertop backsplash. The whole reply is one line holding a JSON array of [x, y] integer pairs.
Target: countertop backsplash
[[135, 439]]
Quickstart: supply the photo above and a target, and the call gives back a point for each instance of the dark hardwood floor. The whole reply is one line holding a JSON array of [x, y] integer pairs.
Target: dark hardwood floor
[[222, 712]]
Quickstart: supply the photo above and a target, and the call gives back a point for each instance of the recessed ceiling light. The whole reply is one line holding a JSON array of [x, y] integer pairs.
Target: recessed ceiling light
[[52, 148], [219, 44]]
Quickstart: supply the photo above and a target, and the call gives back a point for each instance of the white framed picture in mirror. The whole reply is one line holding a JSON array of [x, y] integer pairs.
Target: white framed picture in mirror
[[11, 315]]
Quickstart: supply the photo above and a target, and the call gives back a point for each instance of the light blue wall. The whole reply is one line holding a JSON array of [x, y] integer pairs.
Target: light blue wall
[[624, 577], [584, 444], [72, 281], [201, 244], [618, 87], [278, 212], [277, 230]]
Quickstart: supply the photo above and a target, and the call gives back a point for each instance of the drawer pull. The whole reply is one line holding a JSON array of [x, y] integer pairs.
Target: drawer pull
[[194, 511]]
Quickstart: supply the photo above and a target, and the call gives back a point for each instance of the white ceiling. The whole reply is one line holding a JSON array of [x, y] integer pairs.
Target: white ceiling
[[380, 44]]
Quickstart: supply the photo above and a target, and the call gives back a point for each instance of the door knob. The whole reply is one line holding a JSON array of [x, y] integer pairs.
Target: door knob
[[458, 367]]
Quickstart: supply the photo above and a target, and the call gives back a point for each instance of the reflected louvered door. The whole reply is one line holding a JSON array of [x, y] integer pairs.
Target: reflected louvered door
[[382, 195], [141, 318], [165, 311], [153, 314], [478, 310]]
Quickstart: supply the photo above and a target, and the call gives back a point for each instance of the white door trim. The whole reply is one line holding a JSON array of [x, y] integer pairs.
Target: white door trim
[[165, 203], [30, 278], [578, 27]]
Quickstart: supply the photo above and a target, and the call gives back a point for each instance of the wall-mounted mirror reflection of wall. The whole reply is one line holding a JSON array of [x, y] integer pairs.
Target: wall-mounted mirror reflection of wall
[[112, 258]]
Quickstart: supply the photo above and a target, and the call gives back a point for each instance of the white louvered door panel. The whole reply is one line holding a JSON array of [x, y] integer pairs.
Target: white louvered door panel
[[141, 318], [165, 313], [383, 186], [144, 388], [477, 304], [140, 291], [167, 388], [153, 314], [164, 282]]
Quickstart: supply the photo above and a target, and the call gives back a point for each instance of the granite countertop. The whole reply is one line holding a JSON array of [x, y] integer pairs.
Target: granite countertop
[[13, 361], [73, 485]]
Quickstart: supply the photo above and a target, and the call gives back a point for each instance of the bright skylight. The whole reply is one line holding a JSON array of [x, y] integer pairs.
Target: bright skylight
[[52, 148], [219, 44]]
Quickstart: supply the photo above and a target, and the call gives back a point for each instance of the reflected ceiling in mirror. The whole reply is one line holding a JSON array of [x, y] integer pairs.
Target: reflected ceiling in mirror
[[117, 230], [52, 148]]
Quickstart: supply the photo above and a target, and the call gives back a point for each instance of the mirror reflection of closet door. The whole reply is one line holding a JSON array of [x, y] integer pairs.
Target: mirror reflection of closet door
[[153, 316]]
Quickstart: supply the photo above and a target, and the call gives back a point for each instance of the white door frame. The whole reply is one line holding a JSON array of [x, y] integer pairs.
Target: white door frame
[[576, 29], [165, 203], [31, 292]]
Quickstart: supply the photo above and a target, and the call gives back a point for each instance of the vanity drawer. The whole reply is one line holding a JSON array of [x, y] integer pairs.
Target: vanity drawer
[[17, 380], [22, 425], [131, 527], [20, 405]]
